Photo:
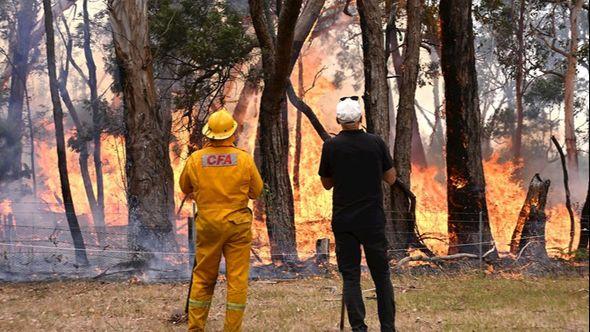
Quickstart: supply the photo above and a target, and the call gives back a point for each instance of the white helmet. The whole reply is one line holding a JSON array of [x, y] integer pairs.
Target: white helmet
[[348, 110]]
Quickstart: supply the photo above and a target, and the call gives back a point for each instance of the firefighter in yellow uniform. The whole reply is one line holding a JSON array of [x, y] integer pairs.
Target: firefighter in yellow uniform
[[222, 179]]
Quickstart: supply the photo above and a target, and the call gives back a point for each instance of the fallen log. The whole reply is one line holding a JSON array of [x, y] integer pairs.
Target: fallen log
[[435, 259], [536, 199]]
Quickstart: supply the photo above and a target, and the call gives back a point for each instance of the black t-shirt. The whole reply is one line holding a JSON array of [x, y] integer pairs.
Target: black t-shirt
[[356, 161]]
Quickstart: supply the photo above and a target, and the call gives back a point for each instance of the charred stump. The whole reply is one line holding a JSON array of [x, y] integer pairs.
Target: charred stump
[[532, 241], [529, 234]]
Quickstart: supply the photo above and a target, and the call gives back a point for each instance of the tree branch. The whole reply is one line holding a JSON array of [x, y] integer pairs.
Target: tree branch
[[309, 113], [305, 23]]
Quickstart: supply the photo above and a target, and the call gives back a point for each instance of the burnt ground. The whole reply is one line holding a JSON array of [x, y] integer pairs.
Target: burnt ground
[[464, 301], [455, 295]]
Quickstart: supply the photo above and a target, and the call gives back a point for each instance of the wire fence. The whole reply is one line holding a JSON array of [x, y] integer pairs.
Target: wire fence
[[33, 246]]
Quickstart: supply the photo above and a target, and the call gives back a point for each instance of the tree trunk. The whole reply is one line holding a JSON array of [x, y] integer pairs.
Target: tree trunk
[[376, 90], [520, 63], [566, 186], [98, 219], [418, 155], [249, 91], [60, 140], [437, 139], [584, 243], [32, 138], [376, 96], [570, 87], [36, 33], [466, 193], [298, 136], [585, 223], [418, 152], [532, 243], [81, 132], [536, 199], [150, 188], [276, 62], [19, 72], [280, 212], [403, 226], [83, 150]]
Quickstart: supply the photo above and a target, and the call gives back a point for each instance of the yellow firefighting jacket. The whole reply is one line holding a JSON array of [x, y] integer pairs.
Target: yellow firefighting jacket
[[222, 179]]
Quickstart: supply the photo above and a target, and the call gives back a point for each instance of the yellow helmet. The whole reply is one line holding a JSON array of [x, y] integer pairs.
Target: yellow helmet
[[220, 125]]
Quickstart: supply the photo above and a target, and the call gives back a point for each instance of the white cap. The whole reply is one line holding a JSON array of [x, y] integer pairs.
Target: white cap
[[348, 111]]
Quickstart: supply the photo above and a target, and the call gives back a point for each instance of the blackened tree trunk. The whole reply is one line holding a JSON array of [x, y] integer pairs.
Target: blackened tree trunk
[[403, 236], [276, 64], [466, 192], [150, 188], [19, 73], [60, 140], [97, 120]]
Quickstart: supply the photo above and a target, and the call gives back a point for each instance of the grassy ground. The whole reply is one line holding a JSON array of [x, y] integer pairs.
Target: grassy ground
[[462, 303]]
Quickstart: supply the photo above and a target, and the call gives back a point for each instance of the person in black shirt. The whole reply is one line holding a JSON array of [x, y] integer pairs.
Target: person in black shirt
[[355, 164]]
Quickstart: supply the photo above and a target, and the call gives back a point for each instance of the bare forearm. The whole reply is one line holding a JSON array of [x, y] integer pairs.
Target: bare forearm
[[390, 175]]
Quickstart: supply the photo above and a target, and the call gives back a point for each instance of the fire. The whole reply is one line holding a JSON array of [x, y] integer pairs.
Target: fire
[[113, 166], [505, 197], [5, 207]]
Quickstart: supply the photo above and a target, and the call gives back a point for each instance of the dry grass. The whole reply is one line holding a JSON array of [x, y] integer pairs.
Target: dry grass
[[463, 303]]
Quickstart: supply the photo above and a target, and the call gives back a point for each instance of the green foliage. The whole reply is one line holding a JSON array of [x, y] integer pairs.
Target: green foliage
[[197, 43], [545, 91]]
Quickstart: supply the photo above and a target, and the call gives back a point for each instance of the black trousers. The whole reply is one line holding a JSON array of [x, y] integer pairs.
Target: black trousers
[[348, 254]]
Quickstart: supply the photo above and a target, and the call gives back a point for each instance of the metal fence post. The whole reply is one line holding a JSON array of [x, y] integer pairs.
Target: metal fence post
[[480, 238]]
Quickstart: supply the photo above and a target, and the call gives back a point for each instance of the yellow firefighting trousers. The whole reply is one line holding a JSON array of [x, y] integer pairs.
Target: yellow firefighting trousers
[[233, 240]]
